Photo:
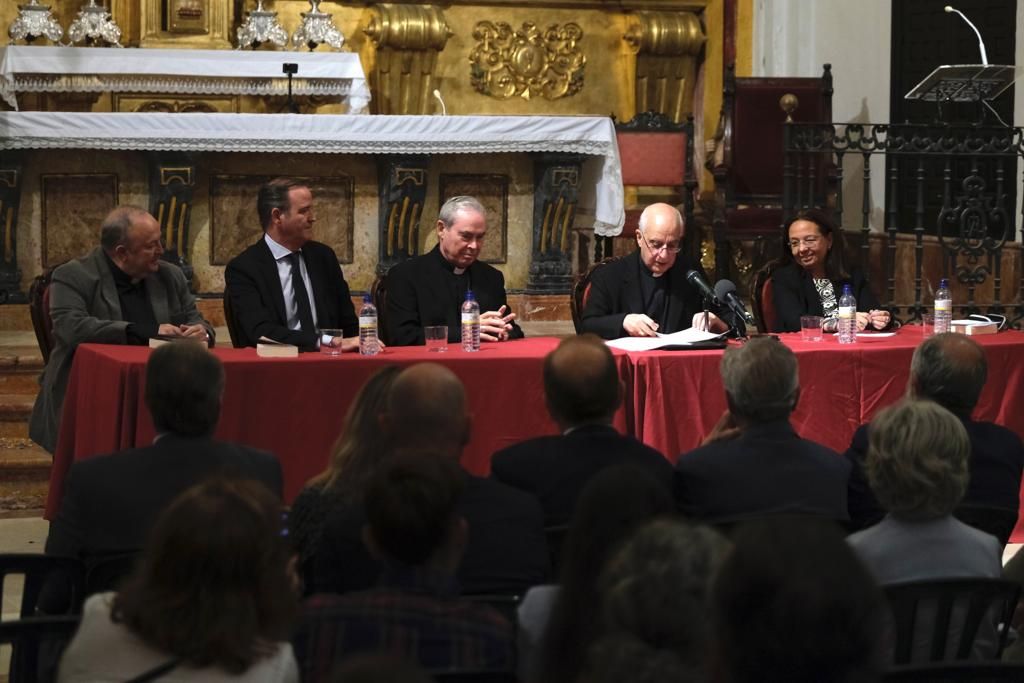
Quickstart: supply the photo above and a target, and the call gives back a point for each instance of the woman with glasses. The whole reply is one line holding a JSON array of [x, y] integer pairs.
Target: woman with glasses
[[811, 278]]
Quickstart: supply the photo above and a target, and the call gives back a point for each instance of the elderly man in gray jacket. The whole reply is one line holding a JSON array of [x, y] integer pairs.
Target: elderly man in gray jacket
[[119, 293]]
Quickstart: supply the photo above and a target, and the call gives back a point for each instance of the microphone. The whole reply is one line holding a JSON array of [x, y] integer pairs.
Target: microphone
[[981, 43], [437, 96], [726, 291], [694, 278]]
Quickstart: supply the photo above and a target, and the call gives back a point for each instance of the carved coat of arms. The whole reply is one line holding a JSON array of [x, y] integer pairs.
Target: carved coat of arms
[[527, 62]]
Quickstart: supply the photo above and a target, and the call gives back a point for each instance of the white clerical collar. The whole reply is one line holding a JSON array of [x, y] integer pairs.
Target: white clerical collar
[[458, 271], [276, 249]]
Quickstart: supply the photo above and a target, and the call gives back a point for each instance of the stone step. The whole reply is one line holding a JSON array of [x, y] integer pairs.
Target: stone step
[[15, 410], [24, 475]]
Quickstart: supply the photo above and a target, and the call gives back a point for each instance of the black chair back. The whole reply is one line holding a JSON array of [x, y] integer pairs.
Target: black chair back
[[231, 321], [63, 578], [953, 610], [36, 646]]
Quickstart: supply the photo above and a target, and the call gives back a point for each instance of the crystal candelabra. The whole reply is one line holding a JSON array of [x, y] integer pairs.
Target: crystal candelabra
[[317, 28], [35, 20], [94, 25], [260, 27]]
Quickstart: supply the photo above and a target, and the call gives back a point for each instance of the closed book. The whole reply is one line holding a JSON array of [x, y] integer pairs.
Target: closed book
[[268, 348]]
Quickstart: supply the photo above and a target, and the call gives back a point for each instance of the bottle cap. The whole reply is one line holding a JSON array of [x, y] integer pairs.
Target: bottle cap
[[944, 283], [469, 295], [847, 289], [367, 298]]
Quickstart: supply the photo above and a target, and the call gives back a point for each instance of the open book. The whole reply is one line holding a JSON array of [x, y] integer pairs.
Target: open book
[[683, 338]]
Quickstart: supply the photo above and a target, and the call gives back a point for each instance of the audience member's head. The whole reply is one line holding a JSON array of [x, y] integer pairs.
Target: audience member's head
[[951, 370], [214, 586], [379, 668], [357, 452], [611, 506], [427, 405], [184, 385], [131, 237], [655, 596], [412, 512], [581, 382], [793, 604], [917, 460], [762, 382]]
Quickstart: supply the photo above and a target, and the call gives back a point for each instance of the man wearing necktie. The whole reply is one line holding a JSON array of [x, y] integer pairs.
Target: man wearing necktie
[[287, 286]]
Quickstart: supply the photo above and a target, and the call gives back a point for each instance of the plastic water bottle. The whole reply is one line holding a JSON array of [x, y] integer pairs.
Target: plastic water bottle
[[368, 344], [943, 308], [847, 317], [470, 323]]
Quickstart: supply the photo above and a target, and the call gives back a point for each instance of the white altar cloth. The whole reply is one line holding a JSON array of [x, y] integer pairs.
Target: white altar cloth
[[601, 185], [206, 72]]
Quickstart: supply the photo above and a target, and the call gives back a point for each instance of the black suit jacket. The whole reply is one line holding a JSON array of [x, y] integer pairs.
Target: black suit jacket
[[111, 502], [794, 295], [506, 550], [425, 291], [555, 469], [995, 466], [767, 469], [615, 292], [252, 282]]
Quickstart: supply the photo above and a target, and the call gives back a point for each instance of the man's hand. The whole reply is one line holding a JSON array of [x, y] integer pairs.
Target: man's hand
[[879, 319], [714, 323], [196, 331], [346, 343], [723, 430], [496, 325], [169, 330], [639, 325]]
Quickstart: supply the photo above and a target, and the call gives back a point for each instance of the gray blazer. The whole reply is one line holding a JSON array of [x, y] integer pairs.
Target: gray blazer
[[85, 308]]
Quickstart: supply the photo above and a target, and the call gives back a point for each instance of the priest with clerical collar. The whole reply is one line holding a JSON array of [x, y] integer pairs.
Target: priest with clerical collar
[[430, 289], [646, 292]]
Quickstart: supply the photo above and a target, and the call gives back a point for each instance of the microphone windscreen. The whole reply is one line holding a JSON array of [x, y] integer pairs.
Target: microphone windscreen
[[723, 287]]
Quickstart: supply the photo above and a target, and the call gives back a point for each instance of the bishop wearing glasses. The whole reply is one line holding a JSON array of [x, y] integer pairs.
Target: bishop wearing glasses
[[646, 292]]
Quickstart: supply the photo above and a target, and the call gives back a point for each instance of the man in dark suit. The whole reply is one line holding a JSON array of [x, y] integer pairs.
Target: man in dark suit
[[753, 463], [950, 369], [582, 390], [506, 550], [110, 502], [122, 292], [430, 289], [646, 292], [287, 287]]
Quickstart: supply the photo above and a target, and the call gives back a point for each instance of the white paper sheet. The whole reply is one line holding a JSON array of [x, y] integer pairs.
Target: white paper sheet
[[681, 338]]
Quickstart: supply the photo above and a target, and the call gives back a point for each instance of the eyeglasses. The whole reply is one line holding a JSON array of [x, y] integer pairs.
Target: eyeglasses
[[656, 246], [809, 241]]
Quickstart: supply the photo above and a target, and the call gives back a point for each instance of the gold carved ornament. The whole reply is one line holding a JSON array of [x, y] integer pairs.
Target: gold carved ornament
[[527, 62]]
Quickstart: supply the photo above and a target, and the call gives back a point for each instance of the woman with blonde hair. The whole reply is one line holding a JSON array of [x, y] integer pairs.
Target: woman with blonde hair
[[338, 490]]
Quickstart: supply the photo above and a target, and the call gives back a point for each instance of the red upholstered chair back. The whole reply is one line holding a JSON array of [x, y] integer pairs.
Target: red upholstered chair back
[[39, 310], [581, 291], [763, 303], [655, 152]]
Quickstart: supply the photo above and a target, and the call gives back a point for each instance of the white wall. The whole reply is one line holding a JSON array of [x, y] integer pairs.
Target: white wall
[[795, 37]]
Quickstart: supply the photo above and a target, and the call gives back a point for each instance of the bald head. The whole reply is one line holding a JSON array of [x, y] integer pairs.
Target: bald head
[[662, 215], [427, 405], [951, 370], [581, 383]]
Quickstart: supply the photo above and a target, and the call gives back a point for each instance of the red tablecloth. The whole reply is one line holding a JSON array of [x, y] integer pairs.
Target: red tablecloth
[[294, 407]]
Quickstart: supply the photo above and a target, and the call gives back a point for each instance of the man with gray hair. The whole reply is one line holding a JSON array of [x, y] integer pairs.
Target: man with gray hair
[[119, 293], [754, 463], [951, 370], [646, 292], [429, 289]]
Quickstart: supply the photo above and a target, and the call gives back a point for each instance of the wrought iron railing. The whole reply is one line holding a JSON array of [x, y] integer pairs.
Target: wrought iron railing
[[974, 167]]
